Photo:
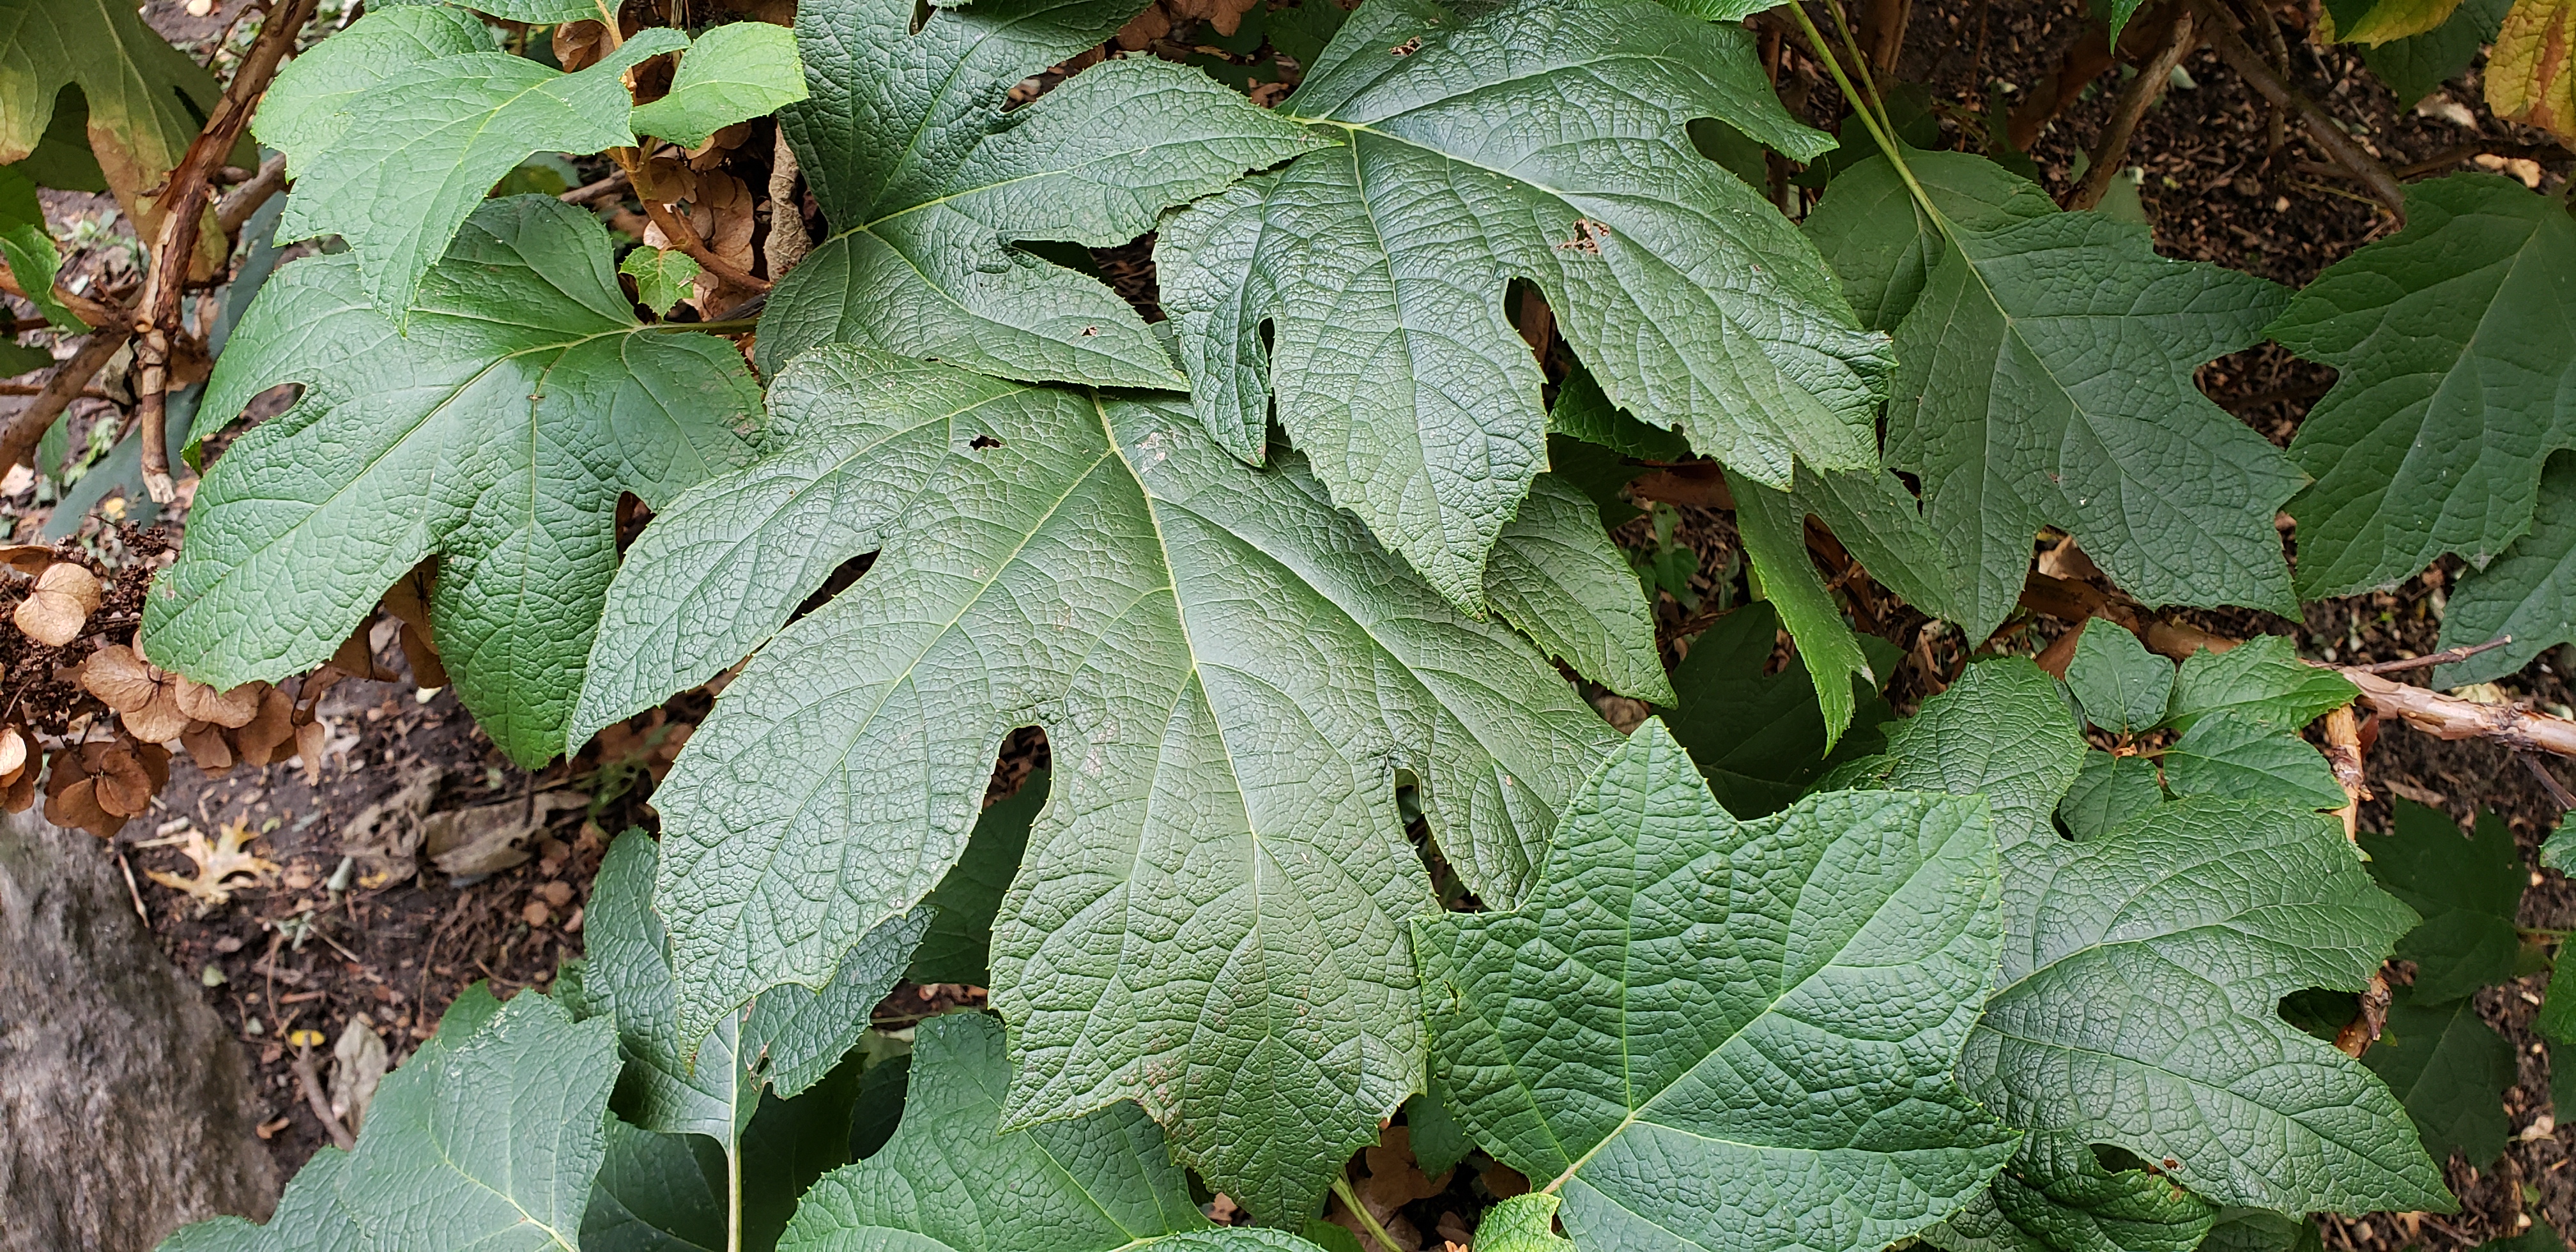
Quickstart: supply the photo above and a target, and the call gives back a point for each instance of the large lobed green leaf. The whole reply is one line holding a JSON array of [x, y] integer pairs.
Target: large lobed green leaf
[[495, 432], [2137, 1003], [486, 1138], [2468, 892], [929, 184], [2454, 342], [2528, 593], [954, 1179], [1232, 677], [2045, 379], [1542, 140], [1730, 1035]]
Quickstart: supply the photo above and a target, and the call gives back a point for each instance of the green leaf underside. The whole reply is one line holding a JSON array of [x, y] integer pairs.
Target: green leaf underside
[[495, 433], [2450, 1069], [2468, 892], [729, 74], [1729, 1035], [958, 945], [1758, 738], [413, 144], [2529, 592], [487, 1137], [1541, 140], [1210, 912], [2454, 342], [2056, 1196], [947, 1180], [1773, 527], [1882, 245], [928, 184], [2138, 1000], [656, 1193], [2415, 66], [2045, 379], [2122, 687]]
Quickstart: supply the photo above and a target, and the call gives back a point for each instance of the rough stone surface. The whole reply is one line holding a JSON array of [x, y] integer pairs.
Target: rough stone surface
[[124, 1102]]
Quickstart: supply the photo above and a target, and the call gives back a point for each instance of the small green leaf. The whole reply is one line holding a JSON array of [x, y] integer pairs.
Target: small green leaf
[[2220, 756], [2454, 345], [29, 251], [1735, 1035], [2108, 791], [2262, 681], [1556, 576], [2450, 1069], [2056, 1196], [730, 74], [1523, 1223], [1582, 412], [1774, 530], [2469, 892], [947, 1181], [958, 946], [2529, 592], [2416, 66], [2121, 686], [662, 277]]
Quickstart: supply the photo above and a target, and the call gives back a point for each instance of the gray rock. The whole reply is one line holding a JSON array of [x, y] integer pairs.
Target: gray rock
[[125, 1106]]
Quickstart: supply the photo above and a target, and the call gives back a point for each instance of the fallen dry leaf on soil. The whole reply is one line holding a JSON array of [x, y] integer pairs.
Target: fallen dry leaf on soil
[[358, 1065], [476, 842], [219, 864], [384, 838], [54, 612]]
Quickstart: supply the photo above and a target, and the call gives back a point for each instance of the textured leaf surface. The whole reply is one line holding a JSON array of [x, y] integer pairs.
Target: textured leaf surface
[[2450, 1069], [958, 945], [2120, 685], [928, 183], [1882, 244], [733, 73], [2468, 892], [951, 1179], [2454, 345], [2056, 1196], [485, 1141], [307, 105], [1556, 575], [145, 97], [2262, 681], [1523, 1223], [409, 153], [2221, 756], [495, 433], [1539, 139], [2528, 77], [2108, 791], [1759, 738], [1210, 913], [1729, 1035], [1773, 528], [2138, 1000], [2046, 380], [2528, 593]]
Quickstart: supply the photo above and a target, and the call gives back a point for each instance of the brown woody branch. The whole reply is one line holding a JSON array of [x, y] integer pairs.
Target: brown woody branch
[[2343, 752], [236, 207], [685, 237], [2143, 91], [28, 425], [89, 309], [183, 202], [2321, 126]]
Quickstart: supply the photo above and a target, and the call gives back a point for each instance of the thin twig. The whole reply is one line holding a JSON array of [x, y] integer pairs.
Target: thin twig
[[28, 425], [89, 309], [307, 1078], [685, 237], [182, 203], [611, 182], [237, 206], [2141, 93], [2445, 657], [2548, 781], [2322, 127], [2343, 753]]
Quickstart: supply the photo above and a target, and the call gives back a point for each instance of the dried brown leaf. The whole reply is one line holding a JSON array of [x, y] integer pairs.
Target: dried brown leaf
[[122, 680], [123, 789], [77, 805], [472, 843], [228, 709], [26, 558], [259, 742], [13, 754], [207, 747], [64, 597], [310, 739], [223, 867]]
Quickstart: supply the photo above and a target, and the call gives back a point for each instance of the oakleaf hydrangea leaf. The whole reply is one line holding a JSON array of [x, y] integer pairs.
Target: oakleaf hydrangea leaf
[[2221, 756], [928, 184], [1556, 575], [1759, 737], [2528, 593], [146, 99], [2527, 77], [2046, 380], [2138, 1003], [307, 105], [2454, 345], [416, 143], [2056, 1196], [2450, 1069], [29, 252], [1883, 245], [2120, 685], [487, 1137], [1523, 1223], [495, 432], [662, 277], [2413, 67], [2468, 891], [732, 73], [1773, 528], [1729, 1035], [2261, 680], [2109, 791], [1209, 915], [1544, 140], [948, 1182]]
